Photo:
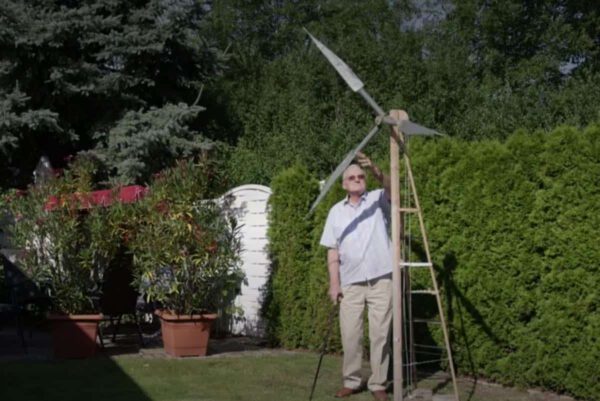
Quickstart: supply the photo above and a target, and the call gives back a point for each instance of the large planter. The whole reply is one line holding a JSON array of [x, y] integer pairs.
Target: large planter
[[74, 336], [185, 335]]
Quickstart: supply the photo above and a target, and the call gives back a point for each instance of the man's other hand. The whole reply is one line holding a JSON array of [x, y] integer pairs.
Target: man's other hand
[[335, 293]]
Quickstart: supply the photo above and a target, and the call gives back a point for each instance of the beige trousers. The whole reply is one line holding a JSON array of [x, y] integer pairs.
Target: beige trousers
[[376, 295]]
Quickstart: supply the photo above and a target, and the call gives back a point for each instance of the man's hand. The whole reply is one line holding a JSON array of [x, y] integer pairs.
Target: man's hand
[[383, 179], [364, 161], [335, 293]]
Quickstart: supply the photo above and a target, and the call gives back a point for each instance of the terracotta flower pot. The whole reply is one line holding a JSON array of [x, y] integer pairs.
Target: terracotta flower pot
[[74, 336], [185, 335]]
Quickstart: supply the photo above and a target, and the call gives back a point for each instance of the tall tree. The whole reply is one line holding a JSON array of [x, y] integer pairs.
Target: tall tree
[[85, 64], [471, 69]]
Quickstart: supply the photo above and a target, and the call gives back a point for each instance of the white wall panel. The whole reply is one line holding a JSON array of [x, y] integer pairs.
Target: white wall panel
[[251, 208]]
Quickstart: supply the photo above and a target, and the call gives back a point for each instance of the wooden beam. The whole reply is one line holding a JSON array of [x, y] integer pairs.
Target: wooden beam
[[395, 136]]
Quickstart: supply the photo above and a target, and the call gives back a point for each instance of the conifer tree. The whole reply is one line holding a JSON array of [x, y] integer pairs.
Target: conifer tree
[[73, 71]]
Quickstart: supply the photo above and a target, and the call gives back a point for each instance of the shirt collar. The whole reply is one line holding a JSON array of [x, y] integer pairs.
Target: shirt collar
[[363, 197]]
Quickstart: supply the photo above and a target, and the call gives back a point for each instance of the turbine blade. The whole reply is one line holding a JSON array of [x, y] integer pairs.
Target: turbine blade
[[410, 128], [341, 167], [378, 110], [342, 68], [357, 85]]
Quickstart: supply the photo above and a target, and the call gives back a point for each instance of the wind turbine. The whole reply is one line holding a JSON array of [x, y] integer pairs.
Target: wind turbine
[[401, 128], [406, 126]]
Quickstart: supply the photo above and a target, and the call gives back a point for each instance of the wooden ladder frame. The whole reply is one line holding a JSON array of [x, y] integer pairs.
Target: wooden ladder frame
[[401, 270]]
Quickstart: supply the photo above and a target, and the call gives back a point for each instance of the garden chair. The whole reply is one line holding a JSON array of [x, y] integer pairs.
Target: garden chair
[[23, 293], [119, 297]]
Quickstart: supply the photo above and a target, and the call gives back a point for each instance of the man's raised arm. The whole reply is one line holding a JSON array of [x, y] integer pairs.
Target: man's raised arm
[[383, 179]]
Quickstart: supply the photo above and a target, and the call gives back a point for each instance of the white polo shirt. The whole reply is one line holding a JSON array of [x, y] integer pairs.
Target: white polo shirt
[[360, 234]]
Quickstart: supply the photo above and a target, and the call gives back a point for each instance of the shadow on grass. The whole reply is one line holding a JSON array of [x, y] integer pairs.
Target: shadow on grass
[[90, 379], [282, 377]]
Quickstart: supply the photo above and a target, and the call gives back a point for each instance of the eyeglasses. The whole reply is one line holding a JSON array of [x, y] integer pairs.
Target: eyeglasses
[[359, 177]]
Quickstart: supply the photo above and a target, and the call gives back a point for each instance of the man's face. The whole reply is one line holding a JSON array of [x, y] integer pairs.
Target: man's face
[[354, 180]]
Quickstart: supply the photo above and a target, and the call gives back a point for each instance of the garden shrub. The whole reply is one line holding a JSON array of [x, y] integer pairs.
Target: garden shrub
[[513, 229], [290, 249]]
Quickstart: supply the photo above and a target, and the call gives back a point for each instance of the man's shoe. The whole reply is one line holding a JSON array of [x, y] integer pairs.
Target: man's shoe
[[346, 392], [380, 395]]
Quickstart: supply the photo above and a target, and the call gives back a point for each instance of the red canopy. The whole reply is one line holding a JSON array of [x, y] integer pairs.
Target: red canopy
[[106, 197]]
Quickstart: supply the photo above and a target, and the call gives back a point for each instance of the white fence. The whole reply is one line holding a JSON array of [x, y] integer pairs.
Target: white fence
[[250, 205]]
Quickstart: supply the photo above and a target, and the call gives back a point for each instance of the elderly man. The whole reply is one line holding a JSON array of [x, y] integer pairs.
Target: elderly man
[[359, 259]]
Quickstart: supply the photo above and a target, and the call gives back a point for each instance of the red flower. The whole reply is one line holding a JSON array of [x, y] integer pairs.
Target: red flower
[[162, 207], [212, 247], [126, 237]]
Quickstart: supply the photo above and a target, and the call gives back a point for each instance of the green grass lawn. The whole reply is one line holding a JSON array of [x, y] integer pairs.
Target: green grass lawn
[[282, 377]]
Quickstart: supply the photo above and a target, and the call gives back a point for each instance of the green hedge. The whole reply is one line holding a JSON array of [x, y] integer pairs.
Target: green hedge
[[513, 229]]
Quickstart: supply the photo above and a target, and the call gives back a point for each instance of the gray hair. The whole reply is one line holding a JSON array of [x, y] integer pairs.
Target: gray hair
[[349, 167]]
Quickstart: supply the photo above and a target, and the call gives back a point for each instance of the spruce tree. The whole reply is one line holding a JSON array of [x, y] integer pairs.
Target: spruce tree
[[73, 72]]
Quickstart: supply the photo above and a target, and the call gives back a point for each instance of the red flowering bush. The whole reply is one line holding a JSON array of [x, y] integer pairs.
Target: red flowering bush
[[65, 250], [186, 248]]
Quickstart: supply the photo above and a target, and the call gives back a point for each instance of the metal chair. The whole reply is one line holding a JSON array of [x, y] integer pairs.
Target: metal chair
[[119, 297], [23, 293]]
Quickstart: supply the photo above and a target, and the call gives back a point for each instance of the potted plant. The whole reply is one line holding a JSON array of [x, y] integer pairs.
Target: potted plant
[[186, 255], [65, 248]]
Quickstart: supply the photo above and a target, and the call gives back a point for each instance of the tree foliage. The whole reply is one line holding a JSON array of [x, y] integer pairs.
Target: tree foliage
[[74, 73], [72, 70], [472, 69], [142, 142]]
